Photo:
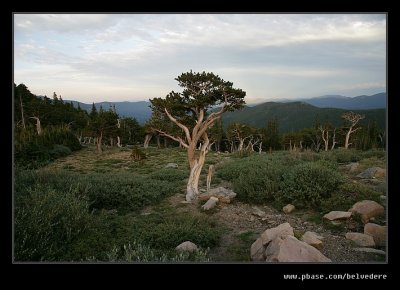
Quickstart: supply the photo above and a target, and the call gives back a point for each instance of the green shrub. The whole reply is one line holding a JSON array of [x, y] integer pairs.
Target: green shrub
[[166, 232], [305, 185], [33, 151], [59, 151], [169, 174], [342, 155], [137, 154], [122, 191], [259, 183], [373, 153], [347, 195], [136, 252], [47, 222]]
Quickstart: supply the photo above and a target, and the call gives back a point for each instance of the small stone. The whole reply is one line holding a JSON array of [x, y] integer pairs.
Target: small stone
[[288, 208], [187, 246], [210, 203], [171, 165], [335, 215], [258, 212], [370, 250], [313, 239]]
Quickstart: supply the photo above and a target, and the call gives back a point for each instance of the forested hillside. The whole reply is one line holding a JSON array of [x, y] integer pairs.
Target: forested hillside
[[296, 116]]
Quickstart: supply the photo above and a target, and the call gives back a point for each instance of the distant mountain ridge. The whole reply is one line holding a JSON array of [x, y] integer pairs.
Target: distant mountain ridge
[[377, 101], [260, 113], [139, 110], [295, 116]]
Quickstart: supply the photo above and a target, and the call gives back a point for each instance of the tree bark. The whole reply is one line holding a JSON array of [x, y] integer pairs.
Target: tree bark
[[209, 176], [147, 139], [158, 141], [334, 139], [38, 126], [99, 140], [119, 142], [196, 165], [346, 142], [22, 112]]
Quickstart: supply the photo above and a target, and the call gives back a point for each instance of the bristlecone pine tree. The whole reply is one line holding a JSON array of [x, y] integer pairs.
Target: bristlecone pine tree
[[190, 113], [353, 119]]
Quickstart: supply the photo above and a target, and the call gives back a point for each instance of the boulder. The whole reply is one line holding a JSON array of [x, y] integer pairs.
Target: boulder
[[312, 239], [352, 166], [210, 203], [361, 240], [372, 172], [367, 209], [223, 194], [187, 246], [290, 249], [171, 165], [337, 215], [377, 232], [257, 250], [380, 172], [282, 230], [288, 208]]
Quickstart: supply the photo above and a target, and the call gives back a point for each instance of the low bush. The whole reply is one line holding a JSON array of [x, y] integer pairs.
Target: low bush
[[47, 221], [136, 252], [258, 184], [160, 231], [305, 185], [348, 194], [108, 190], [342, 155]]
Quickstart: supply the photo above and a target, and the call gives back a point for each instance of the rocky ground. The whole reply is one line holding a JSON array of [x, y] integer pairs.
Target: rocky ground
[[244, 223]]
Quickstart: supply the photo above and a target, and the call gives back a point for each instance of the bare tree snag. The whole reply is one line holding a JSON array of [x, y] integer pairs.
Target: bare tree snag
[[353, 119], [325, 136], [209, 176], [99, 140], [118, 138], [22, 112], [334, 139], [147, 139], [38, 126]]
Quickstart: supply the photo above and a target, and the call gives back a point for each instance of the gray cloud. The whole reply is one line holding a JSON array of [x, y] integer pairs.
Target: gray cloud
[[139, 55]]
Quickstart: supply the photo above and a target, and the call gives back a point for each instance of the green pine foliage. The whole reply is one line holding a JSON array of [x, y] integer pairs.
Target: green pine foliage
[[33, 150]]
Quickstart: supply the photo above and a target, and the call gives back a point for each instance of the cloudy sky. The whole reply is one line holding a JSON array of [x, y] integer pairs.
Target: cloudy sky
[[131, 57]]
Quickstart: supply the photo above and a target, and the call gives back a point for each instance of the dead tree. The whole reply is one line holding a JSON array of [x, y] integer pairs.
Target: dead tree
[[22, 112], [147, 139], [353, 118], [118, 138], [209, 176], [334, 139], [325, 136], [38, 126]]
